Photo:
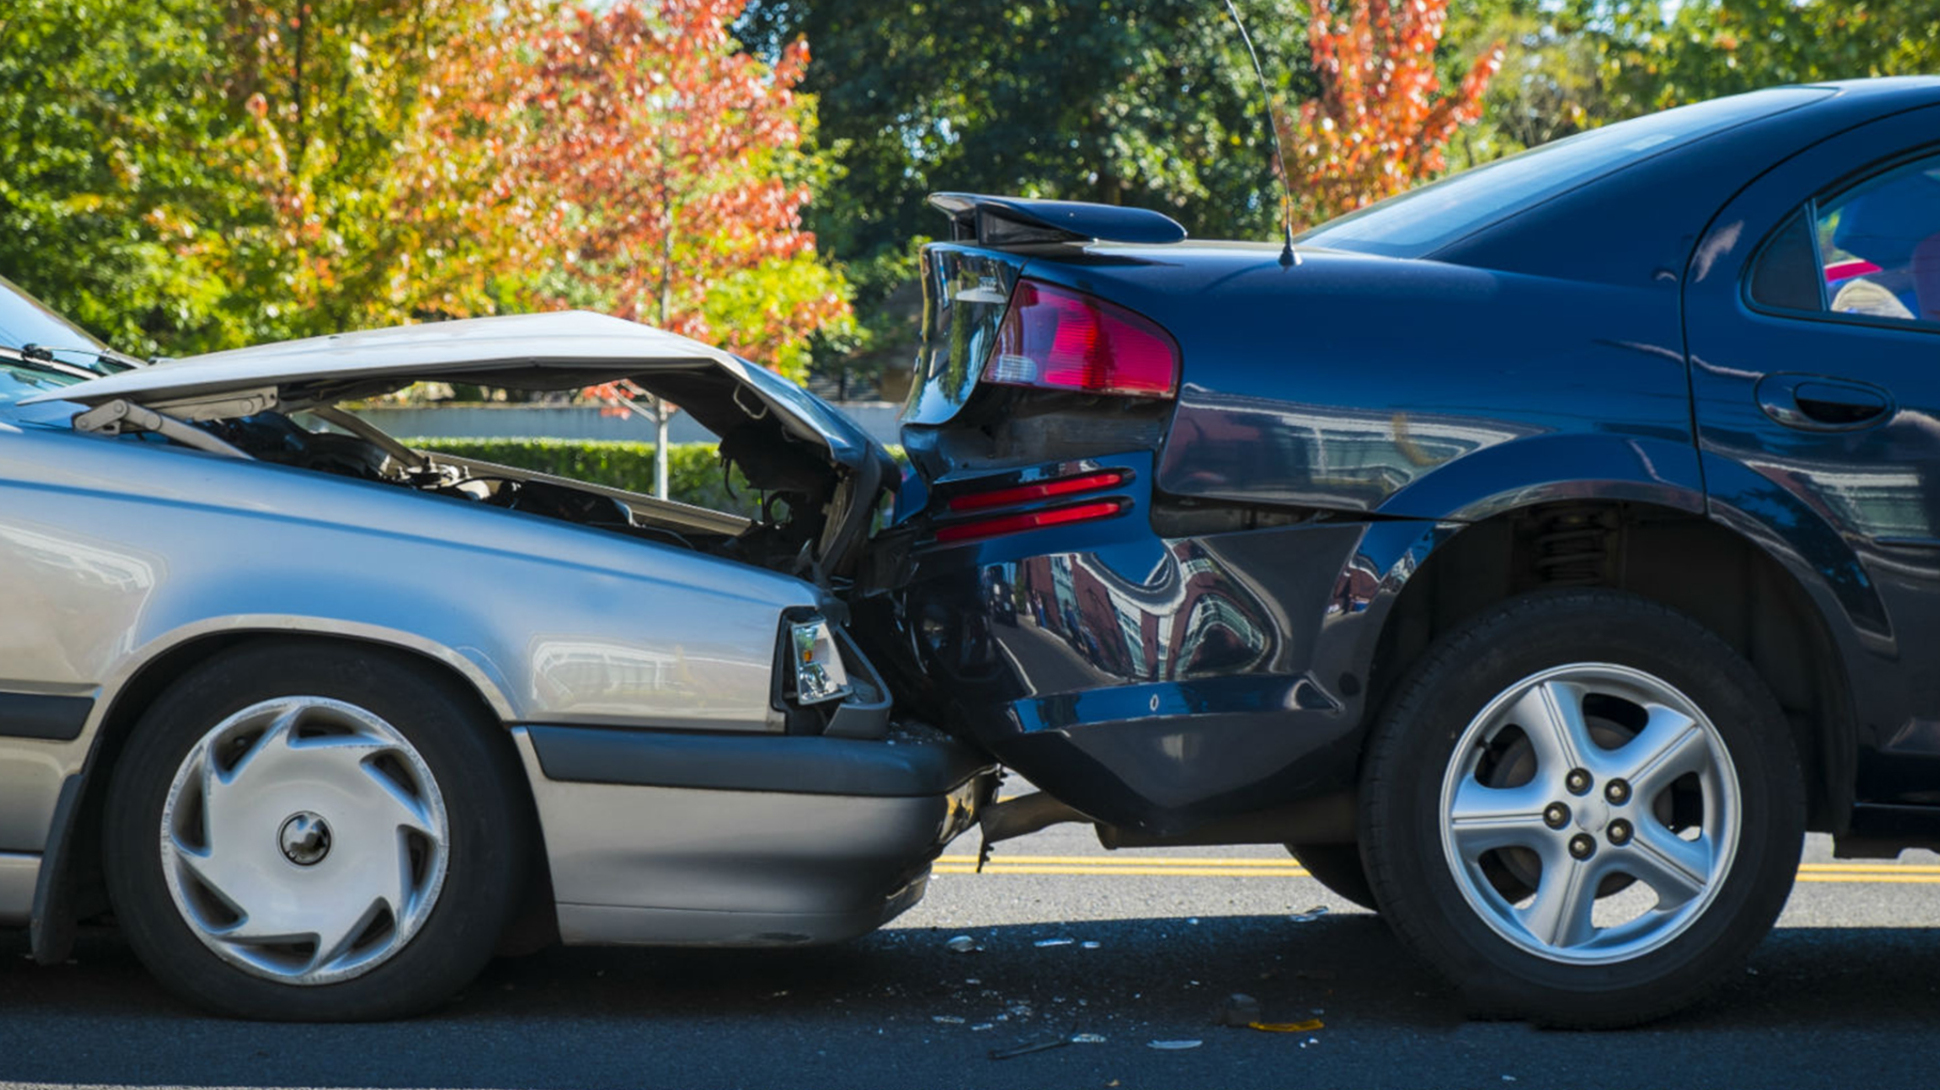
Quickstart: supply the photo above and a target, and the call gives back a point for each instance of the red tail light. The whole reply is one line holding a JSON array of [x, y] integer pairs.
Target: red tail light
[[1058, 339], [1010, 524], [1041, 490]]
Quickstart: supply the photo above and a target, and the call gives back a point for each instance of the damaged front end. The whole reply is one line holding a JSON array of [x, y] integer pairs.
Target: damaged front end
[[819, 476]]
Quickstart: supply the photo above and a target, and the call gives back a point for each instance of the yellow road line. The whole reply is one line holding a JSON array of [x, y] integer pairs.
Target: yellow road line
[[1227, 867], [1867, 868], [1123, 861], [1124, 872], [1875, 877]]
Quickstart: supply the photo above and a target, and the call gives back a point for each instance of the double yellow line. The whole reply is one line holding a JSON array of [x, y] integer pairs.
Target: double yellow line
[[1239, 867]]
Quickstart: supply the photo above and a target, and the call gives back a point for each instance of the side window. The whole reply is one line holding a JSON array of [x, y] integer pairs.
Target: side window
[[1871, 251]]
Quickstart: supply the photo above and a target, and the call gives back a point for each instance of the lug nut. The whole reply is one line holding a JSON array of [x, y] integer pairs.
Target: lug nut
[[1578, 781], [1617, 792], [1556, 815], [1581, 846], [1619, 832]]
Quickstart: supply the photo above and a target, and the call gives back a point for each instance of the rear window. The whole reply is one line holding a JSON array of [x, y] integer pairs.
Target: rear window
[[1423, 220]]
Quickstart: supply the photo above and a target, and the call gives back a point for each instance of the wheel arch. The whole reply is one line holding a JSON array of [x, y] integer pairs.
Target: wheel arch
[[71, 886], [1722, 578]]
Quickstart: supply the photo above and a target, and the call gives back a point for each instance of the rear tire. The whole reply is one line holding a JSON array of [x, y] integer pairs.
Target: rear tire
[[301, 832], [1339, 868], [1582, 808]]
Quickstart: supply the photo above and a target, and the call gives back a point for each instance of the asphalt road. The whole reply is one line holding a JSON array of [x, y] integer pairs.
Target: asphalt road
[[1845, 994]]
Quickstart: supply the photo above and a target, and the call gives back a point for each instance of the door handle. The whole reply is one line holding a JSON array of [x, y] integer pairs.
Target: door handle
[[1817, 403]]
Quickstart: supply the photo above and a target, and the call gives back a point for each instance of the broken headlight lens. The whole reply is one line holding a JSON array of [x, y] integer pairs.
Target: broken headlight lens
[[817, 662]]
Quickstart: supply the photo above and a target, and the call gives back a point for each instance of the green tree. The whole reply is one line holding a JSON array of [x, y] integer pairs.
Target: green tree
[[1151, 103], [105, 109]]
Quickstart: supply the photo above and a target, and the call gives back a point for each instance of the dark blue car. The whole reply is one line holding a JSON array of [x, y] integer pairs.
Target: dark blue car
[[1538, 555]]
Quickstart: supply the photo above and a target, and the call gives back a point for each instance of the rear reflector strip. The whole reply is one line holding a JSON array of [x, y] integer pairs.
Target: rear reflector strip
[[1010, 524], [1041, 490]]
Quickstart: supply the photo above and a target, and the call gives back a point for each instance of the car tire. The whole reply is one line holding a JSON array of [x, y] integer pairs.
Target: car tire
[[1339, 868], [305, 832], [1493, 859]]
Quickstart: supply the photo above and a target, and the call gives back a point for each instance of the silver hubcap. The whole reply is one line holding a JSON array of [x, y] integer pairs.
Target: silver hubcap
[[1590, 813], [304, 840]]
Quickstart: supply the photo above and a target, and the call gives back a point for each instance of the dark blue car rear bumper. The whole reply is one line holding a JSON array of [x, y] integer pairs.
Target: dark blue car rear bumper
[[1154, 682]]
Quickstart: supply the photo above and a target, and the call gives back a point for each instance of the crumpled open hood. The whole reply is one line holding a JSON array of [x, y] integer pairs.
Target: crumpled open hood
[[558, 351]]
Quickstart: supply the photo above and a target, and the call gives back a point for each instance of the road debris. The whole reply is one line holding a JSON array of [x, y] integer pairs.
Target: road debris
[[1087, 1038], [1042, 943], [1288, 1027], [1041, 1044], [1239, 1009], [1309, 916], [963, 944], [1090, 945], [1174, 1046], [947, 1019]]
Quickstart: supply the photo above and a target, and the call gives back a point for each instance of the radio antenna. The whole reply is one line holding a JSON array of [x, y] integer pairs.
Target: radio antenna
[[1288, 256]]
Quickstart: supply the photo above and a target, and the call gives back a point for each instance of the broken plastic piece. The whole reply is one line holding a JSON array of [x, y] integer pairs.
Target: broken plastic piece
[[1287, 1027], [1239, 1009], [1312, 914], [1053, 942], [1174, 1046], [1042, 1044], [963, 944], [1090, 945]]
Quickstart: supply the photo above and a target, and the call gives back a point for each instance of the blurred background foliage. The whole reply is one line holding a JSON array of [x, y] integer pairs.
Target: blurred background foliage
[[186, 175]]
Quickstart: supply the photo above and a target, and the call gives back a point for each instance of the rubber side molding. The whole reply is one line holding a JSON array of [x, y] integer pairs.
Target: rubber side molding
[[1018, 221], [37, 715], [905, 765]]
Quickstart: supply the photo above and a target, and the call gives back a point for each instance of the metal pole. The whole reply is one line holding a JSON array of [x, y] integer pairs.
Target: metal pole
[[660, 416]]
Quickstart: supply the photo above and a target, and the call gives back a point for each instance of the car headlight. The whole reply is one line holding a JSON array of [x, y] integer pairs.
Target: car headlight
[[819, 673]]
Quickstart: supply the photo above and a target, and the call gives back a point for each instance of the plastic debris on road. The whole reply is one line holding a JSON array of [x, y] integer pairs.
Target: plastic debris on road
[[1089, 945], [1312, 914], [1042, 943], [1087, 1038], [1288, 1027], [1174, 1046], [1239, 1009], [963, 944], [1041, 1044]]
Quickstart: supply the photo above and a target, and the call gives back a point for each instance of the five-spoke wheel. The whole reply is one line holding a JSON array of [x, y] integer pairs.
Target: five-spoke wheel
[[1583, 808]]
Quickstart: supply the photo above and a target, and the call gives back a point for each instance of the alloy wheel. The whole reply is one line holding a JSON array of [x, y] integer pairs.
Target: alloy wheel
[[1590, 813]]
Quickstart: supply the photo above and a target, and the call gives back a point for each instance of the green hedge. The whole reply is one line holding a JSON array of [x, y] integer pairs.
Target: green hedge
[[694, 473]]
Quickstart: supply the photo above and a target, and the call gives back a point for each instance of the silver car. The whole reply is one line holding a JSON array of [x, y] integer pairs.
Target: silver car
[[325, 721]]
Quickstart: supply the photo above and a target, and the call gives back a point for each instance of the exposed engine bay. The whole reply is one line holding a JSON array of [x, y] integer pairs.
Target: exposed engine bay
[[795, 493]]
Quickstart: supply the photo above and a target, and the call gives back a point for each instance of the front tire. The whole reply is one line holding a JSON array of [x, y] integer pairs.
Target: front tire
[[314, 833], [1582, 808]]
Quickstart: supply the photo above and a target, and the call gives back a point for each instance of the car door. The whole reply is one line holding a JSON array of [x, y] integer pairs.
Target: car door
[[1812, 318]]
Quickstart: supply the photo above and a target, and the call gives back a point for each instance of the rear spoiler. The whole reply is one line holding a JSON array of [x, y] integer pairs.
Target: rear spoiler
[[1018, 221]]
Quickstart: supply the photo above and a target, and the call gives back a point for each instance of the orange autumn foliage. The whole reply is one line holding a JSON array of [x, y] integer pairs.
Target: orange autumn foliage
[[628, 157], [1381, 121]]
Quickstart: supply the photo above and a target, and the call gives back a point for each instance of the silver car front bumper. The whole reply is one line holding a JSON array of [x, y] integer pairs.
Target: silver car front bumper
[[708, 839]]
